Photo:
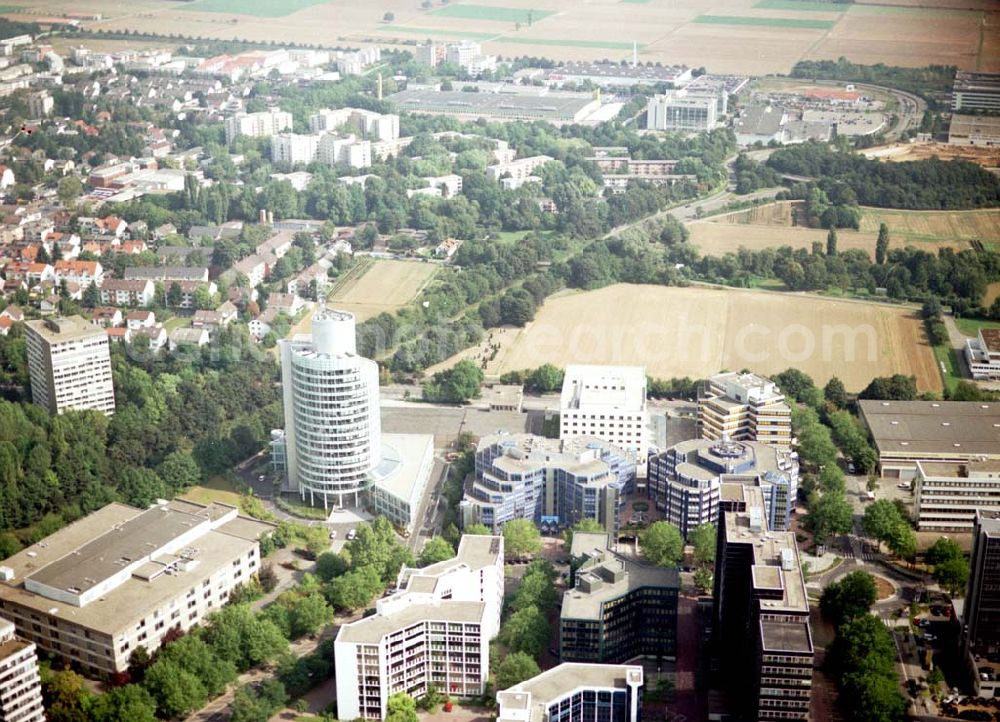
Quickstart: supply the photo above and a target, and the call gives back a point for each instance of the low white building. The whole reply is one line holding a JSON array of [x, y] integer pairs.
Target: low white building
[[982, 354], [519, 169], [605, 692], [948, 494], [399, 481]]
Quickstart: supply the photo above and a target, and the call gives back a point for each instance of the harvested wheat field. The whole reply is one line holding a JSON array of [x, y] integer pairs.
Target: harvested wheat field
[[935, 226], [700, 331], [716, 238], [382, 286], [774, 225]]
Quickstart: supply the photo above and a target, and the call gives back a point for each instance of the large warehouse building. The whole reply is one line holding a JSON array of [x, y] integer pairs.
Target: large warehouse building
[[906, 432], [555, 107]]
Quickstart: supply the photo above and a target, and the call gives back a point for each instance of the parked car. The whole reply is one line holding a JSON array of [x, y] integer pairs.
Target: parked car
[[333, 534], [352, 534]]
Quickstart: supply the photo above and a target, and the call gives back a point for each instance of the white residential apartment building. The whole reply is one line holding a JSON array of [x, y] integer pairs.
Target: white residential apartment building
[[468, 55], [608, 402], [574, 691], [294, 148], [373, 126], [69, 363], [744, 407], [122, 578], [257, 125], [325, 148], [983, 354], [435, 630], [518, 170], [677, 111], [332, 421], [948, 493], [20, 685]]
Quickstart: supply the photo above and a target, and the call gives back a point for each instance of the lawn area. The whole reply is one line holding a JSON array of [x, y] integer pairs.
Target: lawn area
[[970, 326], [952, 373], [259, 8], [175, 322], [557, 42], [431, 32], [802, 5], [487, 12], [216, 489], [768, 284], [797, 23]]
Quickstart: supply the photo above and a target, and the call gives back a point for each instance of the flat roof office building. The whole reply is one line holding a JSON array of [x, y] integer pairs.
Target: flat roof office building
[[949, 493], [744, 407], [608, 402], [679, 112], [569, 692], [973, 92], [761, 634], [551, 482], [618, 609], [122, 578], [981, 612], [905, 432], [435, 630], [69, 362], [686, 479]]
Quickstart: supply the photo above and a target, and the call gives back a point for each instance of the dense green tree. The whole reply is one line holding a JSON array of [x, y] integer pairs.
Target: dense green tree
[[848, 598], [456, 385], [66, 696], [835, 393], [176, 690], [258, 704], [516, 668], [881, 519], [829, 514], [545, 379], [355, 589], [131, 703], [831, 242], [309, 614], [521, 538], [703, 538], [400, 707], [527, 630], [376, 545], [477, 530], [330, 565], [662, 544], [239, 636], [192, 654], [437, 549]]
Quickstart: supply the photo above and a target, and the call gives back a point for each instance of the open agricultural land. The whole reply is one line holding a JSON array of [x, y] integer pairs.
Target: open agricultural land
[[381, 286], [739, 36], [772, 226], [698, 331], [899, 152]]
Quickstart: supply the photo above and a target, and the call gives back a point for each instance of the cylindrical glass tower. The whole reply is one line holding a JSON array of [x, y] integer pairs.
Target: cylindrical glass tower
[[332, 423]]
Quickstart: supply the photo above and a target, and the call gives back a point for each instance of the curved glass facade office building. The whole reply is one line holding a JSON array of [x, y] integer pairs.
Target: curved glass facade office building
[[332, 423]]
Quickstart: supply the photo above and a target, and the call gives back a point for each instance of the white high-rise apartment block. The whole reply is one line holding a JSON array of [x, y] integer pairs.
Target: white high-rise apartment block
[[435, 630], [350, 151], [608, 402], [469, 55], [70, 365], [20, 686], [257, 125], [332, 422], [293, 148], [374, 126], [744, 407]]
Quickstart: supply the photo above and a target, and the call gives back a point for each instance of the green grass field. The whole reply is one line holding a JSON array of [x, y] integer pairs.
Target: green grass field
[[802, 5], [744, 20], [952, 373], [971, 326], [436, 32], [497, 14], [259, 8], [563, 43]]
